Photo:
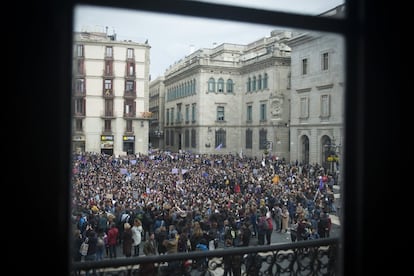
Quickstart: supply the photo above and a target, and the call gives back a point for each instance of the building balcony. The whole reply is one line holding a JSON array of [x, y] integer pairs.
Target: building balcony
[[108, 115], [79, 94], [79, 115], [145, 115], [108, 94], [129, 115], [130, 94]]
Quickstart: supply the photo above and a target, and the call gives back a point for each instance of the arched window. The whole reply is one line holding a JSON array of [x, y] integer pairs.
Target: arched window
[[249, 85], [254, 83], [259, 83], [229, 86], [194, 87], [220, 85], [211, 85]]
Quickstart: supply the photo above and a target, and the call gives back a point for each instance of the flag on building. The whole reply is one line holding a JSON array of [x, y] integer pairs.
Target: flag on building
[[241, 153], [219, 146]]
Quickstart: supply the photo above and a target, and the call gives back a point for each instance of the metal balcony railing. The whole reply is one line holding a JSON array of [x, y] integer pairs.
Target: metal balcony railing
[[309, 257]]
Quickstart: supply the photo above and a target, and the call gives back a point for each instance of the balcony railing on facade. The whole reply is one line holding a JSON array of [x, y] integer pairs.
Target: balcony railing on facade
[[108, 94], [79, 115], [308, 257], [108, 115], [79, 93], [130, 94]]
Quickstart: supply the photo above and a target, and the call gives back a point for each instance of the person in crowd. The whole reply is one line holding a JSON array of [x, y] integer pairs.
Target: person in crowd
[[285, 219], [278, 217], [324, 225], [245, 234], [294, 230], [136, 236], [100, 246], [269, 230], [171, 245], [262, 227], [92, 237], [149, 249], [76, 243], [113, 233], [161, 235], [231, 263], [127, 240]]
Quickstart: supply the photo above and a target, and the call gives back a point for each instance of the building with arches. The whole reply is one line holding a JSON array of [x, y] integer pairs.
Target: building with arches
[[230, 99], [317, 99]]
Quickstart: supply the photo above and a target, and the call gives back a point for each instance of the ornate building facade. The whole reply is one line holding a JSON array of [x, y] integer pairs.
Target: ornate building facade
[[231, 99]]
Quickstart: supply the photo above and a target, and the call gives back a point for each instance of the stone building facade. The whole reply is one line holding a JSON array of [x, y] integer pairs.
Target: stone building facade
[[317, 99], [231, 99], [110, 94]]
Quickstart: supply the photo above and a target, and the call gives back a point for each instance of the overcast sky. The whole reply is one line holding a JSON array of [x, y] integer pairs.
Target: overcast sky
[[172, 37]]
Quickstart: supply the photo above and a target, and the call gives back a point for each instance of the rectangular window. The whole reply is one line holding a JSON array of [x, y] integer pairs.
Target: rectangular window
[[130, 53], [109, 107], [107, 126], [131, 69], [249, 139], [178, 115], [304, 66], [80, 67], [108, 51], [129, 108], [262, 139], [325, 106], [193, 138], [193, 113], [108, 68], [187, 113], [78, 125], [325, 61], [249, 115], [263, 112], [187, 138], [129, 125], [220, 139], [80, 86], [129, 86], [167, 113], [167, 137], [304, 110], [171, 138], [79, 107], [108, 85], [79, 50], [220, 113]]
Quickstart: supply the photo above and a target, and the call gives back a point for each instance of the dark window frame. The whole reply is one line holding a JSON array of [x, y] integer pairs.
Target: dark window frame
[[364, 28]]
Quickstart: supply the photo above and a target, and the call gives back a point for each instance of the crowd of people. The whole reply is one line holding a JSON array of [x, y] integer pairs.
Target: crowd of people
[[168, 202]]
